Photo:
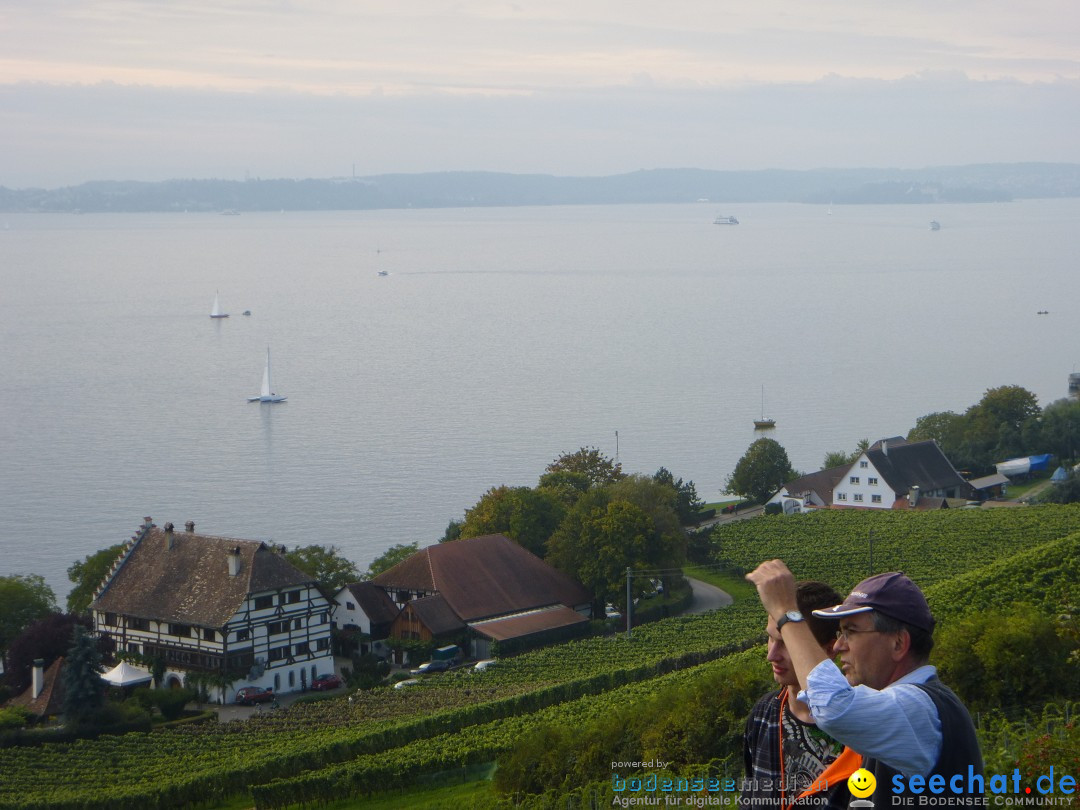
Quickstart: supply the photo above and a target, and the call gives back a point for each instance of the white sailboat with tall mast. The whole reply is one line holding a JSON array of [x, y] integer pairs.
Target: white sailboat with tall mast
[[266, 394], [764, 423], [215, 310]]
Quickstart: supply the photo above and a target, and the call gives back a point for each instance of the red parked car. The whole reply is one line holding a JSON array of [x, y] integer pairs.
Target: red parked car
[[326, 682], [247, 695]]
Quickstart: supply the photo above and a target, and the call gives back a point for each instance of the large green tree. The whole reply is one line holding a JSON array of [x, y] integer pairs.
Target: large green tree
[[1057, 430], [87, 575], [24, 598], [391, 557], [589, 461], [527, 516], [762, 470], [326, 565], [994, 427], [687, 503]]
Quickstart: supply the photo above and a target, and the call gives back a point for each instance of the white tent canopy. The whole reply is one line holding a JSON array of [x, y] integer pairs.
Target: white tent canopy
[[124, 674]]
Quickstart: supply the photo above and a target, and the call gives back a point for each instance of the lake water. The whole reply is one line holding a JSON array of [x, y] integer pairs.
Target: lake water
[[499, 339]]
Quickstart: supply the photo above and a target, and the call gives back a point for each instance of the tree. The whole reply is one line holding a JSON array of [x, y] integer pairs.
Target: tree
[[762, 470], [527, 516], [24, 598], [599, 539], [837, 458], [687, 503], [994, 427], [1057, 431], [597, 467], [566, 485], [325, 564], [88, 575], [391, 557], [84, 691], [47, 638]]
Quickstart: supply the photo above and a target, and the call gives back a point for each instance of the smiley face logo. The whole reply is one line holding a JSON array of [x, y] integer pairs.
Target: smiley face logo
[[861, 783]]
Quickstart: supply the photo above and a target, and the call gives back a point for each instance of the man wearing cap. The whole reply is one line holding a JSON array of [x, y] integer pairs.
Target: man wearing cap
[[885, 700], [789, 760]]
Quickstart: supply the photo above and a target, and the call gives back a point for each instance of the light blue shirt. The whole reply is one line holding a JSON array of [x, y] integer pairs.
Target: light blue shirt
[[898, 725]]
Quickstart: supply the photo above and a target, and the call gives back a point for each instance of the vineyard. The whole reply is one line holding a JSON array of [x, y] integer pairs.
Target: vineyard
[[843, 547], [966, 560]]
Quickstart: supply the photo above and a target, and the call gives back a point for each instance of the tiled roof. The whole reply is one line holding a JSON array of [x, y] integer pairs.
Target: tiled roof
[[487, 576], [525, 624], [822, 482], [51, 700], [372, 599], [436, 615], [184, 577], [907, 464]]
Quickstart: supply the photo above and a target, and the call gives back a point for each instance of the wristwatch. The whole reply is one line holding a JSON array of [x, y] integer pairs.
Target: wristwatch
[[790, 616]]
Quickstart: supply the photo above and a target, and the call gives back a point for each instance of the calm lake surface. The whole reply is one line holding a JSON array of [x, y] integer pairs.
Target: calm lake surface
[[499, 339]]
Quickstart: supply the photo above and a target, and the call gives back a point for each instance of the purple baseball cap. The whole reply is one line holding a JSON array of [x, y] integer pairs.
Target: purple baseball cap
[[892, 594]]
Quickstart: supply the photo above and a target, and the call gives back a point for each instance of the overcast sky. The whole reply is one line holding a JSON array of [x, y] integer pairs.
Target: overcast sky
[[157, 89]]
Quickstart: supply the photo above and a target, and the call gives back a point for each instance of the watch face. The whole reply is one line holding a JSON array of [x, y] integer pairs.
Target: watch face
[[794, 616]]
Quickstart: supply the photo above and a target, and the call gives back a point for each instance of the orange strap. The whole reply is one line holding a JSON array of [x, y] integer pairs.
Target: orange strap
[[838, 771]]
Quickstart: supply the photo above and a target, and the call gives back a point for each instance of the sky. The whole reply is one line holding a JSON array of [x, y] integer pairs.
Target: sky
[[235, 89]]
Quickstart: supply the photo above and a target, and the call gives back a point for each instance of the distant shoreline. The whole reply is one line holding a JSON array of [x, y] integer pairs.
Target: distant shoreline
[[836, 187]]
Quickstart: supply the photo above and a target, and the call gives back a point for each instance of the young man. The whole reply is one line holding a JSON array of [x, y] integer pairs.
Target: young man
[[785, 753], [886, 700]]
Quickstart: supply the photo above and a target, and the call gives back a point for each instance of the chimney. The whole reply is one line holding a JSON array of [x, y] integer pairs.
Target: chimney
[[190, 526], [38, 677], [885, 446], [913, 496], [234, 561], [148, 522]]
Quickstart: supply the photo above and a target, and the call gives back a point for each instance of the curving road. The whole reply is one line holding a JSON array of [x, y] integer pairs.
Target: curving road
[[706, 597]]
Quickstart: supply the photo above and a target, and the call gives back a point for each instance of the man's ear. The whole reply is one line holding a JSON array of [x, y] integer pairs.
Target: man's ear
[[901, 645], [828, 647]]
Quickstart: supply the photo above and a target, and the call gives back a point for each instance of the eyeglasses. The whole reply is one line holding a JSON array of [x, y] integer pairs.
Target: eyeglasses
[[848, 633]]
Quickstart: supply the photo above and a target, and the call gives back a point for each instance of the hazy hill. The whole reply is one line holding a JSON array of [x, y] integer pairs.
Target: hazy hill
[[976, 183]]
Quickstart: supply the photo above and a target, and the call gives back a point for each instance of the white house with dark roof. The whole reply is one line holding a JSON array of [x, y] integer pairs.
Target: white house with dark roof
[[215, 605], [892, 474]]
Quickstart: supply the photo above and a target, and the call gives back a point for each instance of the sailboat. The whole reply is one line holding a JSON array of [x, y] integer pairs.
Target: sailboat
[[267, 394], [215, 311], [763, 423]]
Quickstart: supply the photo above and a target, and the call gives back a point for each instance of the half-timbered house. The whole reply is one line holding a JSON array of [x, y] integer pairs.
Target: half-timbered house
[[234, 608]]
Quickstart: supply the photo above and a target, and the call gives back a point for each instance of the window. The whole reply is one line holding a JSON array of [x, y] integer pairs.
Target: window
[[263, 602], [181, 630], [243, 635], [841, 496], [276, 628], [322, 644], [297, 624], [853, 479], [292, 678], [138, 624], [864, 464], [277, 682], [209, 635], [324, 618], [278, 654], [858, 496], [303, 648], [350, 606], [109, 620], [292, 598], [134, 648], [875, 499], [872, 482]]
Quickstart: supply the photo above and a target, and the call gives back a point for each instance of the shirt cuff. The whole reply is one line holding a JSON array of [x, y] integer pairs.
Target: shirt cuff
[[827, 692]]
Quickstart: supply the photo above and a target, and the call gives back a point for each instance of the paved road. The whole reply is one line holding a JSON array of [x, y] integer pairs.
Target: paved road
[[706, 597]]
